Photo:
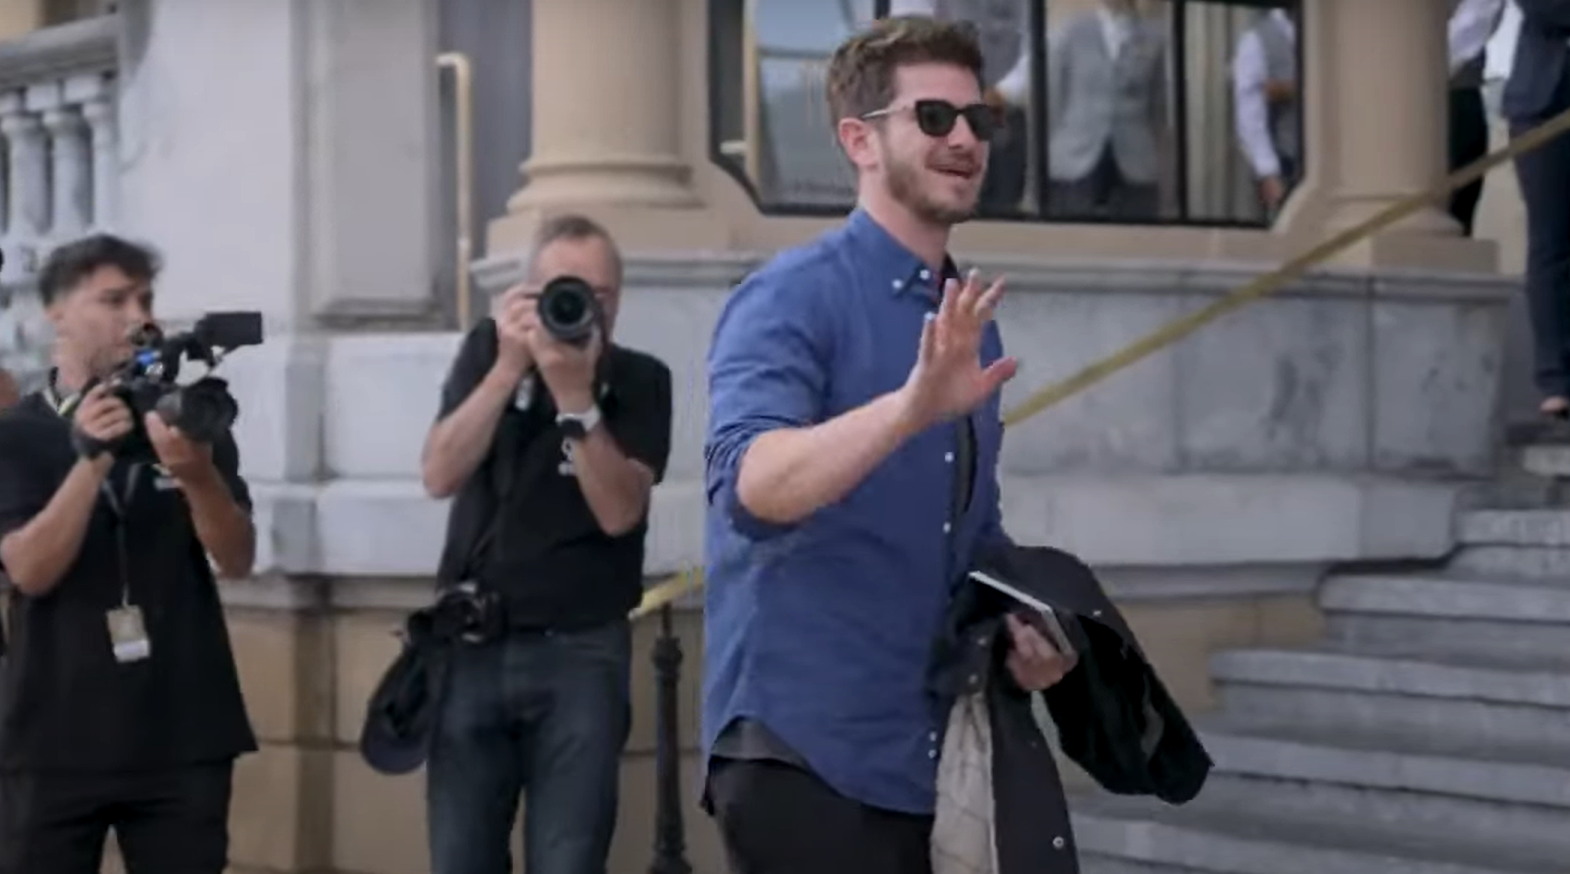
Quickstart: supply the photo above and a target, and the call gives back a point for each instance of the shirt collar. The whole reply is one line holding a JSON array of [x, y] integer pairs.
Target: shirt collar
[[888, 261]]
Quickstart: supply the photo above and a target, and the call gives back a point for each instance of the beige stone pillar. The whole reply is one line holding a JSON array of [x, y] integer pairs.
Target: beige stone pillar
[[607, 126], [20, 18], [1382, 71]]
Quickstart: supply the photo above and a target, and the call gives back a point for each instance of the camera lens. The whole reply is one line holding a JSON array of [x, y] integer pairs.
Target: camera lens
[[568, 309]]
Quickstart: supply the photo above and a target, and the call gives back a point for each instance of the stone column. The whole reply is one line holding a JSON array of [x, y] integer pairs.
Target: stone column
[[1381, 70], [20, 17], [607, 123]]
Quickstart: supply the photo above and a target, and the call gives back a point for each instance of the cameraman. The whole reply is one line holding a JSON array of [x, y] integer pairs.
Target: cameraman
[[552, 449], [120, 705]]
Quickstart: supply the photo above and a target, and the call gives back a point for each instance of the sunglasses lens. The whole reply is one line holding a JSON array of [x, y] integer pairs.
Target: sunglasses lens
[[984, 121], [935, 117]]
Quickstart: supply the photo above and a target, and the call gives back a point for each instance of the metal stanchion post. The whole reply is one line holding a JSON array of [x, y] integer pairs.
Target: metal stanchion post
[[670, 843]]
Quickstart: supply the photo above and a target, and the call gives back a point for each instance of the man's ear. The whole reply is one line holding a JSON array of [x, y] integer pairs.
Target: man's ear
[[858, 140]]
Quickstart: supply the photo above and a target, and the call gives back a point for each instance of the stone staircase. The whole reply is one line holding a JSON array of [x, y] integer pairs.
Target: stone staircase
[[1429, 733]]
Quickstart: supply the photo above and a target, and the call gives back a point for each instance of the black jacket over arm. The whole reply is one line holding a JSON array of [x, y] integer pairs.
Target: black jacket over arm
[[1114, 717]]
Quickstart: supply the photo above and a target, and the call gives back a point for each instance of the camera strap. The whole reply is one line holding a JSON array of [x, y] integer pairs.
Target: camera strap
[[503, 464]]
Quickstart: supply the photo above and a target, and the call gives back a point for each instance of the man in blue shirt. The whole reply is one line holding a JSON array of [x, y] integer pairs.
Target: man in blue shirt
[[851, 473]]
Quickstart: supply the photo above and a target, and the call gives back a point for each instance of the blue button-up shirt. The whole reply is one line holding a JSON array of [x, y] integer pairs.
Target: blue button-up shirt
[[822, 630]]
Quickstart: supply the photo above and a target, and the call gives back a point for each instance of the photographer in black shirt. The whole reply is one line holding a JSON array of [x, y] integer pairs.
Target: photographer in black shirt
[[552, 448], [120, 705]]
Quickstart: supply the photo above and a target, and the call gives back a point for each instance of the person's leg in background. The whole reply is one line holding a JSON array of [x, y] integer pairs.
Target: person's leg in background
[[1544, 175], [52, 824], [578, 688], [1468, 142], [175, 821], [475, 772]]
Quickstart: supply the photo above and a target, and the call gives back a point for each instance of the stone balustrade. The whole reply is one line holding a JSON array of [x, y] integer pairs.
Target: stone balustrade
[[58, 177]]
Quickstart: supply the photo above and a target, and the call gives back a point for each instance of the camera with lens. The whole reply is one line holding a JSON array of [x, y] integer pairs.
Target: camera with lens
[[569, 311], [468, 613], [203, 410]]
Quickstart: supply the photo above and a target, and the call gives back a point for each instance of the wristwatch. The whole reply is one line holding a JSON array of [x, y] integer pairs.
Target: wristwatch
[[576, 426]]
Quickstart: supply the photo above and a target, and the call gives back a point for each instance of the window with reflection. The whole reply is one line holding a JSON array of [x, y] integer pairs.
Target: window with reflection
[[1125, 111]]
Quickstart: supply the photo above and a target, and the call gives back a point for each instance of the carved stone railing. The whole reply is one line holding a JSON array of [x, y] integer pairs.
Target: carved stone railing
[[58, 174]]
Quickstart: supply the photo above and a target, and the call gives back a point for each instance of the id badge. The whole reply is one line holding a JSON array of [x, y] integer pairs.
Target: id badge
[[128, 635]]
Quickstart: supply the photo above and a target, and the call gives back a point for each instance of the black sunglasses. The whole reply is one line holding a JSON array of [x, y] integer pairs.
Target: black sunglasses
[[936, 118]]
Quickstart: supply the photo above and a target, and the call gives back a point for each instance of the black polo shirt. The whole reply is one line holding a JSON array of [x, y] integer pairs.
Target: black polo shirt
[[548, 558], [65, 702]]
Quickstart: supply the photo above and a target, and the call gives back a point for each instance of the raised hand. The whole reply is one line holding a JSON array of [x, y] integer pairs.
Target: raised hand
[[516, 316], [948, 379]]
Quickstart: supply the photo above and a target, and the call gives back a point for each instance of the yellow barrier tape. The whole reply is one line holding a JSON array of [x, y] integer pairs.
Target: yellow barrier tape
[[691, 579]]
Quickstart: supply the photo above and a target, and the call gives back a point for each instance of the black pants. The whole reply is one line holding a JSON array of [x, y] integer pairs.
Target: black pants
[[1468, 142], [166, 822], [1544, 174], [779, 819]]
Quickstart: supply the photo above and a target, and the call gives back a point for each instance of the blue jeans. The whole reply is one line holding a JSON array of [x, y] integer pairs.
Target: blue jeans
[[542, 713]]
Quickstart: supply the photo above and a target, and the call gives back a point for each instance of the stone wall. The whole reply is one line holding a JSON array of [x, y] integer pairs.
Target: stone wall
[[24, 335]]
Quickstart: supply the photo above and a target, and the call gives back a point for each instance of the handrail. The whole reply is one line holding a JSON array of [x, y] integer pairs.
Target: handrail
[[463, 173], [681, 582]]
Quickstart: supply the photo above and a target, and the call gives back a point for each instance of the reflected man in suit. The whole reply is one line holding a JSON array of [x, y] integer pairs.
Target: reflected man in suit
[[1107, 109]]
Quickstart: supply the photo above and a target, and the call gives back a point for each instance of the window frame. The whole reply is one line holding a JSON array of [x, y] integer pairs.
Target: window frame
[[719, 10]]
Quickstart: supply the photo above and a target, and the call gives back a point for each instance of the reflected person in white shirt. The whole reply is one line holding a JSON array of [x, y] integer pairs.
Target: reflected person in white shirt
[[1268, 114]]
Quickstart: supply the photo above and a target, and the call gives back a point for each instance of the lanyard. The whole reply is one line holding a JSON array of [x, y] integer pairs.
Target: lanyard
[[118, 505]]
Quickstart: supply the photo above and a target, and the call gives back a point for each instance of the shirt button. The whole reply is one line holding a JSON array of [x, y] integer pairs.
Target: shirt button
[[932, 754], [933, 736], [1057, 843], [947, 527], [925, 275], [899, 283], [948, 457]]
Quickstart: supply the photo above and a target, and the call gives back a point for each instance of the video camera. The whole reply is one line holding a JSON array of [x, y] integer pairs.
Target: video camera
[[569, 311], [203, 410]]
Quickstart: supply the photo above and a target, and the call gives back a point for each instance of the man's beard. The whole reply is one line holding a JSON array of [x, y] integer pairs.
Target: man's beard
[[904, 180]]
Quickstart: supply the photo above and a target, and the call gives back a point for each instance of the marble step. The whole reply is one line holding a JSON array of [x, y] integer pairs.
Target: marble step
[[1504, 619], [1523, 702], [1543, 527], [1550, 460], [1545, 565], [1421, 780], [1137, 836]]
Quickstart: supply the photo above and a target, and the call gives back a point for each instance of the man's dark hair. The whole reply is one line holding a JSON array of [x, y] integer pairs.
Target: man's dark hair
[[573, 227], [861, 74], [68, 265]]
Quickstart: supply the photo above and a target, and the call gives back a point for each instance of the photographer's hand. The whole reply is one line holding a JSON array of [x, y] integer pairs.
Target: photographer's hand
[[100, 424], [568, 370], [185, 459], [223, 527], [516, 316]]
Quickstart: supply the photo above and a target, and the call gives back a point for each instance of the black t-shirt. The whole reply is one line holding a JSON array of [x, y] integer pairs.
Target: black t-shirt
[[548, 558], [65, 702]]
